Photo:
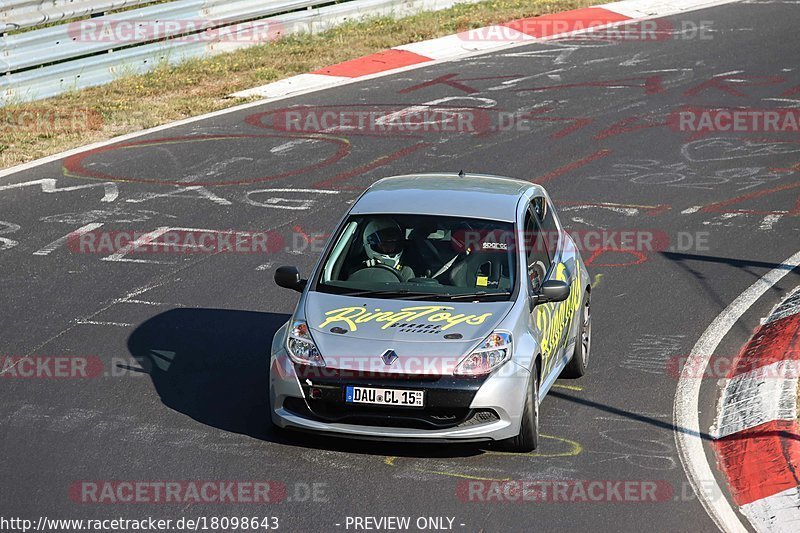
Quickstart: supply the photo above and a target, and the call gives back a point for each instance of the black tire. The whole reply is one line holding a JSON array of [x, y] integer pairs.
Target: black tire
[[583, 344], [528, 438]]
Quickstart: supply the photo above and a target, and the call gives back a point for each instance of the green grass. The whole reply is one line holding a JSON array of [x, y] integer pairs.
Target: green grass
[[198, 86]]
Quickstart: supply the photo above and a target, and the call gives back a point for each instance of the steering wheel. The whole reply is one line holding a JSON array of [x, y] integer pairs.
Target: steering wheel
[[390, 269], [380, 266]]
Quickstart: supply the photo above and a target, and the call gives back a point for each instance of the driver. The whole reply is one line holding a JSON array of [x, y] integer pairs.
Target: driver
[[384, 243]]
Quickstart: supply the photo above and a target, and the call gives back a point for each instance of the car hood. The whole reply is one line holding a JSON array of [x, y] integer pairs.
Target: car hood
[[427, 337]]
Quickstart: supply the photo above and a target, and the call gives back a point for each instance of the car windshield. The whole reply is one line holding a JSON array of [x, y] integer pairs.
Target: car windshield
[[421, 257]]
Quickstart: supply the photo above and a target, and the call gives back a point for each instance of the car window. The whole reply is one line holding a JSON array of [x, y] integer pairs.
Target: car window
[[546, 218], [536, 249], [447, 256]]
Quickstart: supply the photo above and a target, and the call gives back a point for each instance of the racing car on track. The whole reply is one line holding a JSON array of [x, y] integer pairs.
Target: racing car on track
[[443, 308]]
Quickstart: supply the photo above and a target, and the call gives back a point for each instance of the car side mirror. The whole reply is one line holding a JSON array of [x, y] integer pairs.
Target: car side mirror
[[553, 291], [288, 277]]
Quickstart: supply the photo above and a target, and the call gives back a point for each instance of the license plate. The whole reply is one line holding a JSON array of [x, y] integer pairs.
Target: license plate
[[398, 397]]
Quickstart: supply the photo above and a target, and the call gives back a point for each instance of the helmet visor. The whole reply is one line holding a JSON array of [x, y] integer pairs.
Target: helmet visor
[[386, 241]]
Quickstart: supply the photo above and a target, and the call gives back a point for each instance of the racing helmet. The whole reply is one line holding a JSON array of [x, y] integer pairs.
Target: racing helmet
[[383, 241]]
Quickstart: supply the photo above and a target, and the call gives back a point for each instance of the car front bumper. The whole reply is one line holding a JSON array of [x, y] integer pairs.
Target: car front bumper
[[488, 408]]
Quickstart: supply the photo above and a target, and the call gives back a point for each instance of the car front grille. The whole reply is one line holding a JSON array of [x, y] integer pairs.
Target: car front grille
[[377, 416]]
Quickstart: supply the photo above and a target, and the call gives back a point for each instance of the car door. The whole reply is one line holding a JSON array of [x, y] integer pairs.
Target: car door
[[539, 265], [566, 267]]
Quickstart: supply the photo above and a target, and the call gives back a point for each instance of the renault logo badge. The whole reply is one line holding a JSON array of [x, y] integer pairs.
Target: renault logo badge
[[389, 357]]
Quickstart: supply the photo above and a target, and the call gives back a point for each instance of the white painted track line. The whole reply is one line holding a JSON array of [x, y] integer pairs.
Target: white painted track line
[[686, 408]]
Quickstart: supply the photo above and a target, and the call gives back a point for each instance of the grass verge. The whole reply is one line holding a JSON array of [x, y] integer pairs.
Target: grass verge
[[198, 86]]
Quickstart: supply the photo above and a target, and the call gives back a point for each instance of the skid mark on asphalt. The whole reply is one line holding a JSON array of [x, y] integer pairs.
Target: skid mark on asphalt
[[653, 353], [571, 449]]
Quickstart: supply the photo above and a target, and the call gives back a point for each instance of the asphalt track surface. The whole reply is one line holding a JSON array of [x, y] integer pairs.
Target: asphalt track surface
[[201, 324]]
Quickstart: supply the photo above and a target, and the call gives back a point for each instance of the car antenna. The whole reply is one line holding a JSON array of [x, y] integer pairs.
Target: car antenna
[[460, 173]]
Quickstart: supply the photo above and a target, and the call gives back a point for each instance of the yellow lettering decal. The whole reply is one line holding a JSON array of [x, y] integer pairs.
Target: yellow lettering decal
[[366, 317], [476, 320], [384, 316], [345, 314], [352, 316], [552, 320]]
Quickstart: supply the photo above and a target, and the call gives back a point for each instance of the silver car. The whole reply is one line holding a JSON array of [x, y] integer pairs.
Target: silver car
[[443, 308]]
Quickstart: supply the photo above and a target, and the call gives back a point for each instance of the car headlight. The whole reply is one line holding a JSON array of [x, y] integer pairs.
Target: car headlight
[[492, 352], [301, 347]]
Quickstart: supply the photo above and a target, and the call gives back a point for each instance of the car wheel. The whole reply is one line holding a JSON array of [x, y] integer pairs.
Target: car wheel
[[528, 437], [580, 357]]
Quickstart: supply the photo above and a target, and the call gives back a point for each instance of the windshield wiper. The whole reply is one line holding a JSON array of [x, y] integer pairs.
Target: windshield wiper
[[400, 294], [405, 294], [479, 294], [424, 295]]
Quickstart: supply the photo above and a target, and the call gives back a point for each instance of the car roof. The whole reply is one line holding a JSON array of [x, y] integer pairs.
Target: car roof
[[469, 195]]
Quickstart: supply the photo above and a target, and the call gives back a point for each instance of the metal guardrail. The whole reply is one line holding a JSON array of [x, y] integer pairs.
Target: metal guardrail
[[18, 14], [80, 38], [55, 78]]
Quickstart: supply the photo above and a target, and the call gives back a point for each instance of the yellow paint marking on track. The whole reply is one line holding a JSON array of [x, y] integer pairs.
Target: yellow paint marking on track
[[574, 449], [568, 387], [463, 476]]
